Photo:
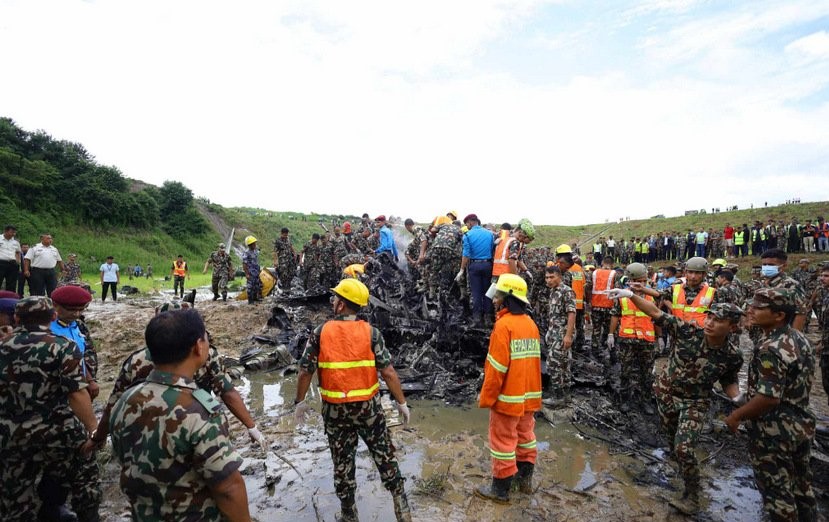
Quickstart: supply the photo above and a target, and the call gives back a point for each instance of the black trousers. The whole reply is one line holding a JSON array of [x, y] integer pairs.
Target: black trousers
[[8, 273], [42, 281], [105, 287]]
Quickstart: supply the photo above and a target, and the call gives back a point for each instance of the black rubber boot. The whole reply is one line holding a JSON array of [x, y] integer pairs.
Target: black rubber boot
[[215, 297], [89, 515], [497, 491], [523, 482], [348, 513]]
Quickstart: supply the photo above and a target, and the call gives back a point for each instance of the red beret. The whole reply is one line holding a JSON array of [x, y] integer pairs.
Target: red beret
[[473, 217], [381, 217], [6, 294], [71, 295]]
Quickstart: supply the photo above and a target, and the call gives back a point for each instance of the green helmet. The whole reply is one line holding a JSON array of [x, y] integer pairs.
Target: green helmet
[[636, 271], [527, 228], [697, 264]]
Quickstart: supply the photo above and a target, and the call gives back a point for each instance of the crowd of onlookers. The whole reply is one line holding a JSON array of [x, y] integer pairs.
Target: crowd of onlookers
[[740, 241]]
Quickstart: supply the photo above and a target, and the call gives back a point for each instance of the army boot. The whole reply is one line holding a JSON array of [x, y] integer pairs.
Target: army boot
[[89, 515], [401, 508], [348, 512], [497, 491], [224, 296], [689, 503], [215, 297], [524, 478]]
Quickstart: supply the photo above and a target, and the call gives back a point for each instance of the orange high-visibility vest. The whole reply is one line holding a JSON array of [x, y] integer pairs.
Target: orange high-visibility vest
[[694, 312], [500, 262], [635, 323], [512, 371], [603, 280], [179, 270], [347, 371], [577, 285]]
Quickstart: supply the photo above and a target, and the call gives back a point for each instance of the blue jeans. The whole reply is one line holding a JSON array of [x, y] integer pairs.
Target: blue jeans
[[823, 243], [700, 250], [480, 276]]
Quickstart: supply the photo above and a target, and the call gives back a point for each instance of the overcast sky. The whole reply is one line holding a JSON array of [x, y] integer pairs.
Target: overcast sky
[[564, 112]]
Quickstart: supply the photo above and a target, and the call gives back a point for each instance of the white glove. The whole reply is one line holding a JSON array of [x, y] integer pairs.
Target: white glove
[[661, 343], [460, 275], [617, 293], [404, 412], [300, 411], [256, 436], [611, 341]]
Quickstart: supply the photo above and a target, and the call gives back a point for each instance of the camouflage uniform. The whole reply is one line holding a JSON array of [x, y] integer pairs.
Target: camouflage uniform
[[311, 265], [340, 250], [71, 274], [222, 268], [444, 260], [286, 258], [562, 301], [344, 422], [254, 285], [538, 292], [683, 388], [38, 430], [822, 311], [413, 251], [808, 280], [172, 443], [798, 294], [636, 358], [780, 441], [328, 267], [730, 294]]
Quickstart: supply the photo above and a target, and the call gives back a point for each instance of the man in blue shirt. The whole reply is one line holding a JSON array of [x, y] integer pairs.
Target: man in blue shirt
[[478, 246], [387, 251]]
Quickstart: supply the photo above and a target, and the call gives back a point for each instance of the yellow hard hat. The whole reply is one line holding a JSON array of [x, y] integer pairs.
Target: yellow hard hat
[[464, 229], [441, 220], [719, 262], [564, 248], [453, 214], [352, 290], [354, 270], [510, 284], [589, 267], [250, 240]]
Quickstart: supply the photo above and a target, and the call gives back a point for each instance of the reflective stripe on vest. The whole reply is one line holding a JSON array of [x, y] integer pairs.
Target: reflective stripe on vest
[[695, 312], [739, 238], [602, 282], [500, 455], [347, 368], [517, 399], [577, 284], [635, 323], [180, 271], [500, 262]]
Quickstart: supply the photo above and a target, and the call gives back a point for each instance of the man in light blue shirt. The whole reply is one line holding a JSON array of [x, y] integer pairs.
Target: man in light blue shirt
[[478, 246], [387, 251]]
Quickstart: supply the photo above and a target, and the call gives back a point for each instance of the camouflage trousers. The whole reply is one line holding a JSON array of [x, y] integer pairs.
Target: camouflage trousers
[[254, 287], [344, 423], [824, 365], [64, 471], [311, 276], [681, 421], [178, 285], [558, 359], [219, 283], [578, 337], [444, 264], [285, 276], [784, 477], [600, 318], [636, 358]]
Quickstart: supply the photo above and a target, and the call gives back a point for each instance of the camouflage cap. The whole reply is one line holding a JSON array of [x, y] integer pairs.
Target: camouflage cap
[[221, 245], [805, 260], [726, 311], [766, 297], [170, 306], [33, 304], [732, 267]]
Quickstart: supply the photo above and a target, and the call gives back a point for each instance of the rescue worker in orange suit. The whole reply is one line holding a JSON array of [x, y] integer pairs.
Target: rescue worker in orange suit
[[637, 335], [179, 271], [574, 277], [602, 280], [348, 352], [509, 252], [511, 389]]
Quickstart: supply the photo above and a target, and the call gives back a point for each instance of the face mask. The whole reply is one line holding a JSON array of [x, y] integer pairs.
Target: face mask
[[769, 270]]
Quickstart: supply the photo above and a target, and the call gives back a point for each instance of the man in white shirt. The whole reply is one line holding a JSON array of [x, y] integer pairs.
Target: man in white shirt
[[9, 258], [110, 277], [39, 266]]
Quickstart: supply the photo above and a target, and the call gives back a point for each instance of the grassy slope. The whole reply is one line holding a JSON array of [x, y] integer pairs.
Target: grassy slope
[[159, 249]]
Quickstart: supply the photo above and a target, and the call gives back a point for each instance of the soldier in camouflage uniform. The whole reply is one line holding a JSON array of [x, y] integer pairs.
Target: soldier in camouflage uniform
[[222, 271], [311, 263], [444, 260], [340, 247], [635, 344], [699, 359], [561, 324], [416, 250], [727, 291], [177, 461], [820, 304], [781, 424], [212, 377], [807, 277], [250, 264], [351, 407], [773, 276], [328, 267], [284, 259], [45, 419], [71, 274]]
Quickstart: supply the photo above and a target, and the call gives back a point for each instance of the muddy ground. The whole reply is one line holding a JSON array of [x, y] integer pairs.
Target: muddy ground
[[594, 463]]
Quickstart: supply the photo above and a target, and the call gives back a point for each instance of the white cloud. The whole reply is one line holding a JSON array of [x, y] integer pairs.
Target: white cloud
[[812, 47]]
